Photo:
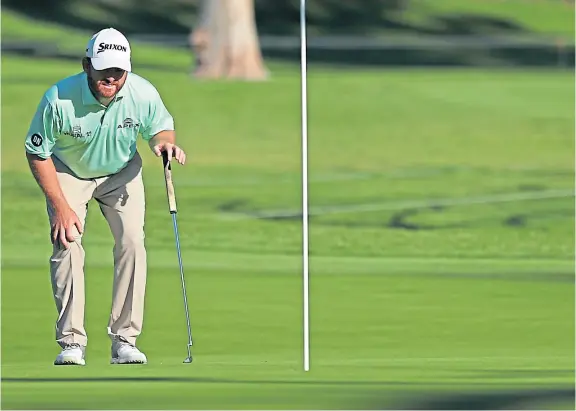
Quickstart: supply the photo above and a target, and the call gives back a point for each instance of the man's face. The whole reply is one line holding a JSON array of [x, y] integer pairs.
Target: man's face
[[106, 83]]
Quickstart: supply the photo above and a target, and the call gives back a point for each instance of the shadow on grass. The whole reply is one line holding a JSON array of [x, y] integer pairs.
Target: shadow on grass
[[281, 17], [278, 17], [528, 56], [536, 55], [521, 399], [45, 52], [487, 400]]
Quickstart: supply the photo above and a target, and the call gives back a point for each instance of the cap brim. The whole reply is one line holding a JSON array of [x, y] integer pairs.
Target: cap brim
[[103, 63]]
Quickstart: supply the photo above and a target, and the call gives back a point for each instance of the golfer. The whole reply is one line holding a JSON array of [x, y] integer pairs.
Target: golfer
[[81, 145]]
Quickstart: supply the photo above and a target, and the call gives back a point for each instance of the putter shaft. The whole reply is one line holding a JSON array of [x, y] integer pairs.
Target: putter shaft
[[190, 343], [173, 210]]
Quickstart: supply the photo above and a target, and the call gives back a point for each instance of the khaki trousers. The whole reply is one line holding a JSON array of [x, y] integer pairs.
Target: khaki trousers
[[121, 200]]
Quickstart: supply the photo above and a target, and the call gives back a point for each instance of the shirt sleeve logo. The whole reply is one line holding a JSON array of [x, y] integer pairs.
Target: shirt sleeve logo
[[36, 140]]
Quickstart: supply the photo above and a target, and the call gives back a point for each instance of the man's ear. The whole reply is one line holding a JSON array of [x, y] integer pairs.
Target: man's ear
[[86, 64]]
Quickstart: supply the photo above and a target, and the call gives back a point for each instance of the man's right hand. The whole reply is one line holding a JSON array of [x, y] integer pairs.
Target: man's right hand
[[65, 226]]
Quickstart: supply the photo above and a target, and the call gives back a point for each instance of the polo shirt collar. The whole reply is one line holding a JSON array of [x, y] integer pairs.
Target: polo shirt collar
[[89, 99]]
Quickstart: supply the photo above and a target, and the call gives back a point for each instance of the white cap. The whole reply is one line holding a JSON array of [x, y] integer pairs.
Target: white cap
[[109, 48]]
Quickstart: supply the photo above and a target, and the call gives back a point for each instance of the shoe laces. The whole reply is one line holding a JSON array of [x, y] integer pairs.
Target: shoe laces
[[71, 346], [121, 342]]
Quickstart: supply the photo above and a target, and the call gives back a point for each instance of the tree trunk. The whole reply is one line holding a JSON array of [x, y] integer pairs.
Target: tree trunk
[[225, 41]]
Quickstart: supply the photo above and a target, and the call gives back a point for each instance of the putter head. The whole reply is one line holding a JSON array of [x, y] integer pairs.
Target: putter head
[[188, 360]]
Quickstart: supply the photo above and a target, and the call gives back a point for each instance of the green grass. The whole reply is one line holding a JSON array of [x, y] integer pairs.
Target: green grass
[[537, 17], [409, 307], [551, 17]]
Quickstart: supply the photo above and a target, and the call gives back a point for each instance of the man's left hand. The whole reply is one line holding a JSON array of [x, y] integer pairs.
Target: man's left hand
[[172, 150]]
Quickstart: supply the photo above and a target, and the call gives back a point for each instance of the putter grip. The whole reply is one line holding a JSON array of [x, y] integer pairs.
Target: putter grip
[[169, 184]]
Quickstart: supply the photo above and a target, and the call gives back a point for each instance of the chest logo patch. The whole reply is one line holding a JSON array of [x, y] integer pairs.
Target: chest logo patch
[[128, 123], [76, 132]]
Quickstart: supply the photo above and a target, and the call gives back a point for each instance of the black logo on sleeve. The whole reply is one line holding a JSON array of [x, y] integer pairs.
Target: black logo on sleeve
[[105, 46], [36, 140]]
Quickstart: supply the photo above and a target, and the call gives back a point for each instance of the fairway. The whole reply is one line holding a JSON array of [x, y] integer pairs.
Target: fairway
[[441, 244]]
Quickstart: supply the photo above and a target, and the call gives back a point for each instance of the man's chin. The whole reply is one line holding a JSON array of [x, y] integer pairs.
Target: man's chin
[[107, 92]]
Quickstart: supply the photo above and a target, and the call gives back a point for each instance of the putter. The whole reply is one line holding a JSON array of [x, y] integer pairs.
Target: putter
[[173, 211]]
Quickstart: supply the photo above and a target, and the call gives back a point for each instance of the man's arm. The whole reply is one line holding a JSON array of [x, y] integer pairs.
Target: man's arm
[[159, 129], [44, 172], [40, 140], [166, 137]]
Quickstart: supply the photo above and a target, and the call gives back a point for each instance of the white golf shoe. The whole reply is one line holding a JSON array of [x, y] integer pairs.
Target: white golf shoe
[[71, 354], [125, 353]]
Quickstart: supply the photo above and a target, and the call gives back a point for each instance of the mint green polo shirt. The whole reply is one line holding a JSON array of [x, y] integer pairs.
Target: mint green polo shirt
[[91, 139]]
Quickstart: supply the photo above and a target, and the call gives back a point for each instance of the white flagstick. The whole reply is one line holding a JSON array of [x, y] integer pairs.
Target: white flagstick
[[304, 186]]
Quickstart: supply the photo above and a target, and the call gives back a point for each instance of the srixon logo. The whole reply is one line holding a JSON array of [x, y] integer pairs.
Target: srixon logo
[[105, 46]]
